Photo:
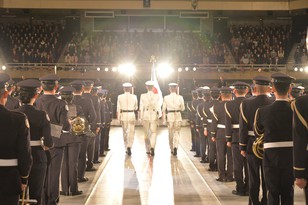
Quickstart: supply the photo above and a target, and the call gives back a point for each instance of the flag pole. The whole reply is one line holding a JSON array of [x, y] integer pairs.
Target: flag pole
[[153, 61]]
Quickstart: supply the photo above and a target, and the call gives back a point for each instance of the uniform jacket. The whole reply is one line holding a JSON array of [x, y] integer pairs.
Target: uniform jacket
[[127, 104], [201, 115], [149, 106], [194, 105], [173, 102], [209, 116], [12, 103], [97, 107], [14, 144], [106, 113], [218, 120]]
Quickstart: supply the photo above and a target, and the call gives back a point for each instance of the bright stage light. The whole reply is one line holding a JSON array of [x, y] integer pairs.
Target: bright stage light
[[3, 67], [114, 69], [186, 69], [180, 69], [301, 69], [295, 69], [106, 69], [164, 70], [306, 69], [127, 69], [98, 68], [194, 68]]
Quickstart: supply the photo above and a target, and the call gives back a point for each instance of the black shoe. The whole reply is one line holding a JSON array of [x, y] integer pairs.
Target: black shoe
[[128, 151], [152, 152], [220, 179], [175, 151], [76, 193], [97, 162], [91, 169], [230, 180], [202, 161], [102, 155], [84, 179], [239, 193], [192, 150], [148, 153], [107, 150], [64, 193], [212, 170], [196, 155]]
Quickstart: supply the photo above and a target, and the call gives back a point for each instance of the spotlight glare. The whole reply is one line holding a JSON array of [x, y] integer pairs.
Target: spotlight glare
[[301, 69], [127, 69], [186, 69], [164, 70], [306, 69], [106, 69], [295, 69], [114, 69], [180, 69], [3, 67], [194, 68], [98, 68]]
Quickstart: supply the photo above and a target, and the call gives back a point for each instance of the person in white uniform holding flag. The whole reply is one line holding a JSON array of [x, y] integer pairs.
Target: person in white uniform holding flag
[[127, 104], [149, 114], [172, 107]]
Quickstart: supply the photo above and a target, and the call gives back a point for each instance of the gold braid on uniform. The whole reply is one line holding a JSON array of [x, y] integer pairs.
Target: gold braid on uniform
[[242, 113], [214, 113], [187, 105], [204, 112], [299, 115], [227, 111], [257, 146], [199, 114]]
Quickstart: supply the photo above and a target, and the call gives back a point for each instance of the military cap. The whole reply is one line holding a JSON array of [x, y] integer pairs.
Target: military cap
[[29, 84], [49, 79], [281, 78], [67, 90], [194, 92], [4, 79], [103, 91], [88, 83], [261, 80], [97, 84], [127, 85], [214, 90], [240, 85], [225, 90], [199, 90], [149, 82], [205, 88], [77, 83], [173, 84]]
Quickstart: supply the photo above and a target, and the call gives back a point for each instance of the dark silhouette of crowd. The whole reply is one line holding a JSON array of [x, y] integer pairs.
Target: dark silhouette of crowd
[[31, 43], [252, 44], [300, 56], [177, 47]]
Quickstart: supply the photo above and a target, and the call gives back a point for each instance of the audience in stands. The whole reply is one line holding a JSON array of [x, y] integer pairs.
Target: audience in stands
[[300, 55]]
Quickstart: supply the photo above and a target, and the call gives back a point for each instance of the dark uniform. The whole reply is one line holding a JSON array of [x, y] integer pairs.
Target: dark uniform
[[232, 109], [15, 150], [11, 103], [248, 108], [274, 122], [57, 111], [191, 120], [94, 125], [209, 118], [218, 132], [106, 118], [40, 138], [69, 172], [194, 105], [295, 92], [89, 114], [300, 138]]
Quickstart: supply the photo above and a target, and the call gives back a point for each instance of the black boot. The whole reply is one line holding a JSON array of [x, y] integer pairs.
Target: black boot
[[128, 152], [152, 152], [175, 151]]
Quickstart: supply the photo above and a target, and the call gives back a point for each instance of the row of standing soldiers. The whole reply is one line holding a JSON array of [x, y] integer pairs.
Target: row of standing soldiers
[[257, 140], [37, 142]]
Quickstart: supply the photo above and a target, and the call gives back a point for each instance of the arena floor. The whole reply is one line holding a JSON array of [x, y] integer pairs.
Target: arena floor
[[162, 180]]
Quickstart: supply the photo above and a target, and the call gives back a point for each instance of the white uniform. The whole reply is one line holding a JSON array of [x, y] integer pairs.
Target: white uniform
[[173, 105], [126, 106], [149, 114]]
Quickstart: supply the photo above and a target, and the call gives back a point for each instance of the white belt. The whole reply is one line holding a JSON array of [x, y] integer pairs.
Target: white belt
[[251, 133], [209, 120], [35, 143], [278, 144], [235, 126], [8, 162], [221, 126]]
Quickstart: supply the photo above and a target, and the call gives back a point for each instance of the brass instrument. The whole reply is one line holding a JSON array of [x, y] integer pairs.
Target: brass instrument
[[79, 125], [257, 147]]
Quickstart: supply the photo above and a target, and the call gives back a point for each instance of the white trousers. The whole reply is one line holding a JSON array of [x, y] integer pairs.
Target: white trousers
[[174, 129], [150, 135], [128, 132]]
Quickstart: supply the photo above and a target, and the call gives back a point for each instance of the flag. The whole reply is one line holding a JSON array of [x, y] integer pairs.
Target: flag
[[156, 88]]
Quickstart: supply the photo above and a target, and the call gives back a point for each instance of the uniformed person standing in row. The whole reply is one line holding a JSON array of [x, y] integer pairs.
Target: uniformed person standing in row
[[232, 109], [215, 95], [106, 118], [300, 140], [86, 110], [295, 92], [40, 135], [149, 113], [248, 109], [274, 123], [12, 102], [191, 120], [201, 123], [95, 126], [224, 154], [172, 107], [127, 104], [71, 143], [15, 150], [57, 111]]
